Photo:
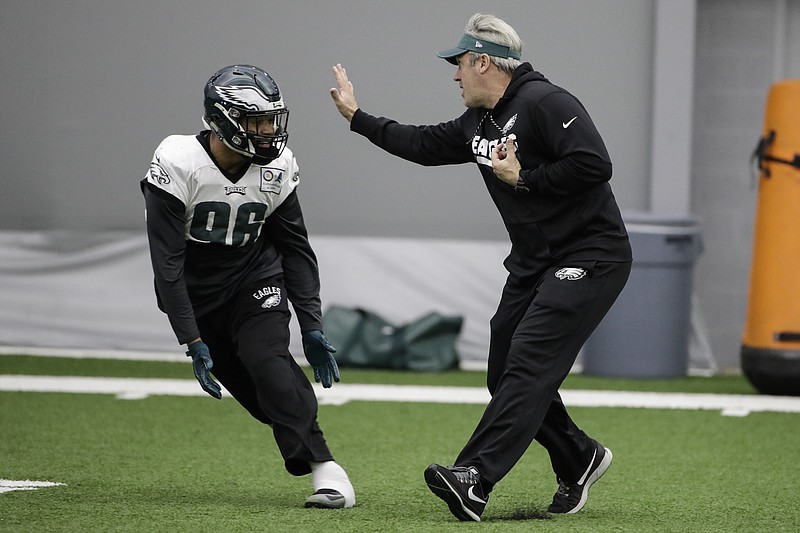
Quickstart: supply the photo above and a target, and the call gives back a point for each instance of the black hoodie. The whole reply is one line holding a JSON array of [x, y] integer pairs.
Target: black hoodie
[[568, 211]]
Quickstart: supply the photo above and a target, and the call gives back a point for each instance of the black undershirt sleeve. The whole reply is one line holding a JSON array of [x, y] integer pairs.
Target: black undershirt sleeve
[[165, 235], [286, 230]]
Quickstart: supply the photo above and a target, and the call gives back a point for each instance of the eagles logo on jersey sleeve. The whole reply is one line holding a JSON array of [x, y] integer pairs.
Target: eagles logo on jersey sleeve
[[172, 159]]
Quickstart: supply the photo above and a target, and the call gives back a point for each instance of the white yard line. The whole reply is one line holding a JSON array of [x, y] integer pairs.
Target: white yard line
[[340, 393], [10, 485]]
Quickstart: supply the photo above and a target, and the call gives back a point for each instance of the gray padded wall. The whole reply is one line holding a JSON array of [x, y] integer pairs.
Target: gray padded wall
[[91, 87]]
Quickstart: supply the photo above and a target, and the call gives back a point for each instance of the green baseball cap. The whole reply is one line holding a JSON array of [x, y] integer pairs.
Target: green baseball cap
[[469, 43]]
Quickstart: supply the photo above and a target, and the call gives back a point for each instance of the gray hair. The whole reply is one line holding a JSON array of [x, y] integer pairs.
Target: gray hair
[[498, 31]]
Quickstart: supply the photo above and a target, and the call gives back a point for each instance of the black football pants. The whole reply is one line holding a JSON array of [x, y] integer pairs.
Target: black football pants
[[536, 335], [248, 339]]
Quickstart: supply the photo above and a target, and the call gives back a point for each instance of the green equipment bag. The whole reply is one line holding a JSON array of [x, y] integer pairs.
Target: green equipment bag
[[364, 339]]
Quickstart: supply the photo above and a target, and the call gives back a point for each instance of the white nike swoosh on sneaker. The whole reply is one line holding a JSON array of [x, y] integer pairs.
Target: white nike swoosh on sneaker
[[583, 477], [474, 498], [566, 124]]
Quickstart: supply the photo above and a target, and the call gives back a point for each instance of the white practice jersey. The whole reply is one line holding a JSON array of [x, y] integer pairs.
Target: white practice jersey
[[219, 211]]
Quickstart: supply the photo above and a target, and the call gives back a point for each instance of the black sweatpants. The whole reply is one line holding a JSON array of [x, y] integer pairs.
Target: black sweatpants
[[536, 335], [248, 339]]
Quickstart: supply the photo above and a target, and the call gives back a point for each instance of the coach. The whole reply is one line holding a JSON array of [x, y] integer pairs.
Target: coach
[[547, 170]]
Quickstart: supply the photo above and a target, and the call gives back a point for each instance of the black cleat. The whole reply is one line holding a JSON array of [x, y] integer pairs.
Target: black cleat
[[326, 499], [571, 497], [460, 487]]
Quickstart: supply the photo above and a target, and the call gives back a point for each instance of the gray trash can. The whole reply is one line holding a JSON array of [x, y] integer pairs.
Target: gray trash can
[[646, 332]]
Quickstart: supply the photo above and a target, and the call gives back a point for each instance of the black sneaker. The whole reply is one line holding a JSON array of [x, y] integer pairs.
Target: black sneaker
[[460, 487], [326, 499], [571, 497]]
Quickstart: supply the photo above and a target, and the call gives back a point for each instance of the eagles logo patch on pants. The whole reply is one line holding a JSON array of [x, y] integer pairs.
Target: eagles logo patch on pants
[[571, 273], [268, 296]]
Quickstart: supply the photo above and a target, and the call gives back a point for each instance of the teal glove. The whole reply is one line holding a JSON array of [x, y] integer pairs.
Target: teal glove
[[319, 354], [201, 361]]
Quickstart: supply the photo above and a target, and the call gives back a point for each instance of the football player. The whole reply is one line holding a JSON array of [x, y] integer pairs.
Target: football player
[[229, 249]]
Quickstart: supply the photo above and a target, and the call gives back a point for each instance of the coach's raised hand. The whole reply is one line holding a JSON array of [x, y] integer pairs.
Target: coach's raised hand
[[343, 96]]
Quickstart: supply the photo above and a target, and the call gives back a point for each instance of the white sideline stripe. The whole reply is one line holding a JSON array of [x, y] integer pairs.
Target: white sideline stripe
[[165, 357], [9, 485], [340, 393], [86, 353]]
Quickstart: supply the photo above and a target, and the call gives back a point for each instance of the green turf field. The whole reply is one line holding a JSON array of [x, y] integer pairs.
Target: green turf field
[[173, 464]]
